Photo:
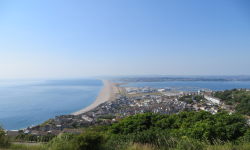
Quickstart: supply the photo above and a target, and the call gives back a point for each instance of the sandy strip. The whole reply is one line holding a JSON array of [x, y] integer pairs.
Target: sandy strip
[[107, 94]]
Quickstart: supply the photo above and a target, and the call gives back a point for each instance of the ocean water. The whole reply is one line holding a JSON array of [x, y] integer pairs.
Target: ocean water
[[27, 103], [215, 86]]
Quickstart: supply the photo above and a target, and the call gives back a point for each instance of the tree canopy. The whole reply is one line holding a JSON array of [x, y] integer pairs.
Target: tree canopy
[[194, 125]]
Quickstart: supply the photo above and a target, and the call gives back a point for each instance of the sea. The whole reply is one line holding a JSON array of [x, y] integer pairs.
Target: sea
[[24, 103]]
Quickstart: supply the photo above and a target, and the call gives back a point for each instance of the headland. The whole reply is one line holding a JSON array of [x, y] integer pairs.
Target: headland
[[107, 94]]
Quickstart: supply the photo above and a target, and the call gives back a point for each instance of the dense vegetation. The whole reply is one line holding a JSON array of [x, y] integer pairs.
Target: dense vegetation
[[189, 98], [186, 130], [202, 125], [240, 99], [28, 137], [106, 117], [198, 98]]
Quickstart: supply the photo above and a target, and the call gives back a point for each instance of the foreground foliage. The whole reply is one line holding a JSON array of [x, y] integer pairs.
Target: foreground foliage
[[4, 140], [186, 130], [28, 137], [202, 125]]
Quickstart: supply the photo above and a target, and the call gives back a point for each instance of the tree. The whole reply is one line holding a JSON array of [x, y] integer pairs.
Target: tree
[[186, 109], [189, 101], [4, 140], [198, 98], [88, 140]]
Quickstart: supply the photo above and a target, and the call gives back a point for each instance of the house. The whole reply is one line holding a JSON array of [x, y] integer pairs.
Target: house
[[116, 119], [216, 111], [248, 120], [145, 90], [161, 90], [47, 127], [55, 132], [27, 131], [42, 133], [35, 128], [106, 122], [203, 107], [58, 122], [13, 133], [85, 117], [34, 132], [228, 107], [88, 123], [231, 112]]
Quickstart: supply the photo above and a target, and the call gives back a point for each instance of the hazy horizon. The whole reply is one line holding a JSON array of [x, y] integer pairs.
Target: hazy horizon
[[108, 77], [77, 39]]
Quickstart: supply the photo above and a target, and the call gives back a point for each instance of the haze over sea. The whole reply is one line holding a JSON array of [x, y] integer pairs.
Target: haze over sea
[[27, 103]]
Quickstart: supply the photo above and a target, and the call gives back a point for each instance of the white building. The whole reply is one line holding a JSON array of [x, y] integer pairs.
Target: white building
[[161, 90], [129, 90], [212, 99], [86, 118], [145, 90]]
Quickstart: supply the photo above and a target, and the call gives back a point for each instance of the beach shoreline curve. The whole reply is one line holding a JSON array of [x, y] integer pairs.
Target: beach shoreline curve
[[107, 94]]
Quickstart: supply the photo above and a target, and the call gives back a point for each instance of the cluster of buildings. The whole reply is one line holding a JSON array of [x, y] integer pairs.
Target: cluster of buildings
[[54, 127], [145, 90], [124, 106]]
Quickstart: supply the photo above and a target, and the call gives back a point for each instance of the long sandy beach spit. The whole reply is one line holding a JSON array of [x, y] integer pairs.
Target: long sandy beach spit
[[107, 94]]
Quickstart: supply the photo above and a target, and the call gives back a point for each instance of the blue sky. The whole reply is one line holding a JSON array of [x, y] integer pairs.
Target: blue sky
[[79, 38]]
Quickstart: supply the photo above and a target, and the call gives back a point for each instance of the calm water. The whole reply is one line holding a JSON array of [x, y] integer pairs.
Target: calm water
[[215, 86], [26, 103]]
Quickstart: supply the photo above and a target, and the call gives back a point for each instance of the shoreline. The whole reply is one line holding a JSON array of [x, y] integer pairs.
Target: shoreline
[[107, 94]]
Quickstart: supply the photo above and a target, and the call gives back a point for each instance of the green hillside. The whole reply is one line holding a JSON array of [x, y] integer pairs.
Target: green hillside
[[239, 99], [186, 130]]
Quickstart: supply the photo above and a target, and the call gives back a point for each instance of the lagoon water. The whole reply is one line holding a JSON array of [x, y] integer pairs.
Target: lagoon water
[[27, 103], [215, 86]]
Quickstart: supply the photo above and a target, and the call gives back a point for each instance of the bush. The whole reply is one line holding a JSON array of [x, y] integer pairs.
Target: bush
[[247, 135], [25, 137], [4, 140], [88, 140], [99, 128], [189, 101], [194, 125], [45, 138], [62, 142], [106, 117]]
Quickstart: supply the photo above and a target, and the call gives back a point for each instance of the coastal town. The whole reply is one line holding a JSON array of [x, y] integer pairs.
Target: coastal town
[[130, 101]]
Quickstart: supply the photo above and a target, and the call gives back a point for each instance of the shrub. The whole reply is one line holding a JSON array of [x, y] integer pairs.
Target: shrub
[[45, 138], [4, 140], [88, 140], [61, 142], [247, 135], [106, 117]]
